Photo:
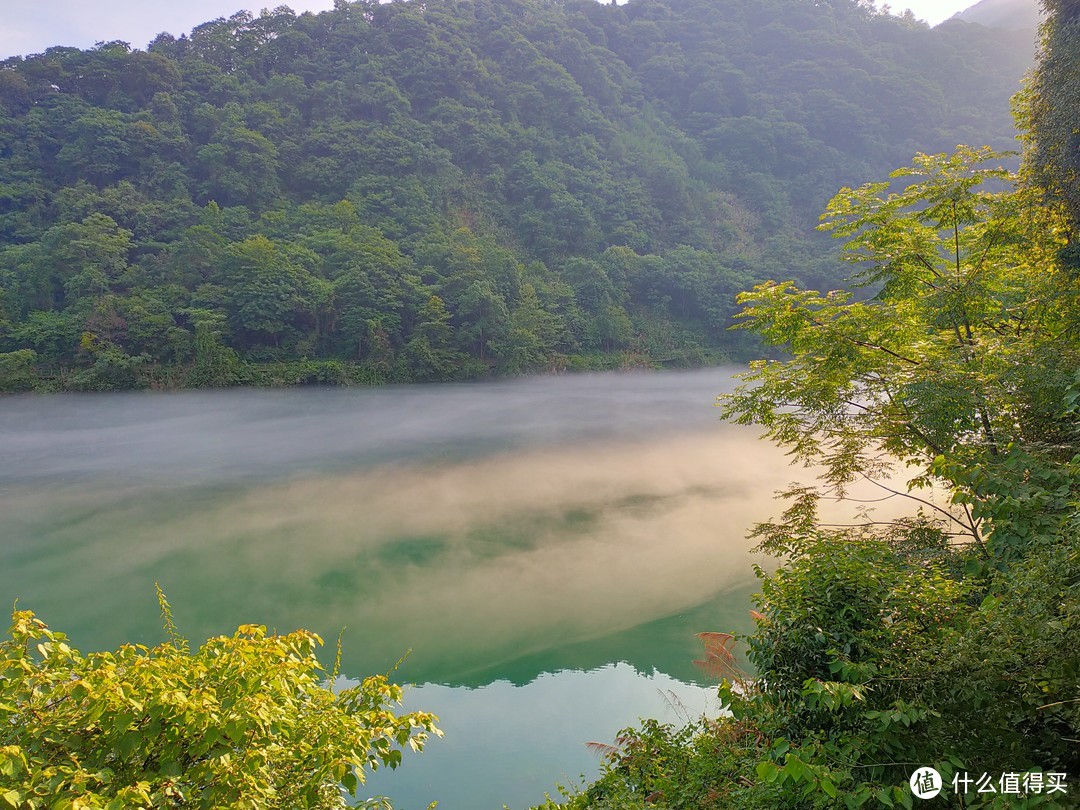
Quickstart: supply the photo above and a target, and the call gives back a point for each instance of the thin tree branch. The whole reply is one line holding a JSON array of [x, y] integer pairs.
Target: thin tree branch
[[865, 344], [928, 265], [968, 529]]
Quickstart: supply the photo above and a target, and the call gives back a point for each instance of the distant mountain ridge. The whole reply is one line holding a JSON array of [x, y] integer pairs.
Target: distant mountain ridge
[[1011, 14]]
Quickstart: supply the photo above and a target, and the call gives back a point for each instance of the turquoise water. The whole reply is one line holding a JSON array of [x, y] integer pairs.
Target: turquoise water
[[546, 548]]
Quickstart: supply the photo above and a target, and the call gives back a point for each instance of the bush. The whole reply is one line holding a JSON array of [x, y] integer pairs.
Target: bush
[[247, 721], [17, 371], [872, 659]]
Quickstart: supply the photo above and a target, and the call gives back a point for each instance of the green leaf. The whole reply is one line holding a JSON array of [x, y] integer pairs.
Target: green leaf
[[235, 730], [795, 768], [350, 782], [171, 768]]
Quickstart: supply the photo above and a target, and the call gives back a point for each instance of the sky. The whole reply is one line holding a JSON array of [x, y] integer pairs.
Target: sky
[[31, 26]]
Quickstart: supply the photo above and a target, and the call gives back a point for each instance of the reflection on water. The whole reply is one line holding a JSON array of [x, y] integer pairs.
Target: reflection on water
[[502, 532], [538, 729]]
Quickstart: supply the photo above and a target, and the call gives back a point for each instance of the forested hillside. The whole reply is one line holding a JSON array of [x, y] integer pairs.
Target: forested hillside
[[451, 189]]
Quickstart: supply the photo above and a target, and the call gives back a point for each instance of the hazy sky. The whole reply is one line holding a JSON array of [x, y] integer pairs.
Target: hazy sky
[[31, 26]]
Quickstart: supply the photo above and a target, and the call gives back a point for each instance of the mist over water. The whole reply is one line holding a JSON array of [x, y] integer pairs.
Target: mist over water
[[531, 536], [200, 436]]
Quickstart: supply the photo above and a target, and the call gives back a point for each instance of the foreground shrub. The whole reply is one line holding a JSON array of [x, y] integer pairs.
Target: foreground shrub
[[246, 721], [871, 662]]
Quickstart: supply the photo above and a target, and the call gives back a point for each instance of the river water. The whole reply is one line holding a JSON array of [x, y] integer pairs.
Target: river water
[[545, 547]]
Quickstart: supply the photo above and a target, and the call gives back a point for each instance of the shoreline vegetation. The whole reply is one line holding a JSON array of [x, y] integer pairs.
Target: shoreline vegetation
[[16, 378]]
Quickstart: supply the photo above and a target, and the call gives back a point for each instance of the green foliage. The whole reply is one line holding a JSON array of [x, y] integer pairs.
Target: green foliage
[[696, 766], [215, 364], [961, 366], [1051, 118], [244, 721], [17, 370], [303, 185], [872, 660], [112, 370]]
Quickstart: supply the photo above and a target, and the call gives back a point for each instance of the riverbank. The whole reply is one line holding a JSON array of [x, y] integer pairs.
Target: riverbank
[[19, 375]]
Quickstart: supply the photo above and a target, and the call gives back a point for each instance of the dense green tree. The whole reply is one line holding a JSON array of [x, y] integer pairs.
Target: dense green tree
[[966, 278], [269, 293], [529, 334], [428, 355], [215, 364], [1052, 116], [17, 371], [239, 167]]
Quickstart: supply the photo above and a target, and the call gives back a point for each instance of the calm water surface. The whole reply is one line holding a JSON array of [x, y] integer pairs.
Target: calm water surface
[[545, 547]]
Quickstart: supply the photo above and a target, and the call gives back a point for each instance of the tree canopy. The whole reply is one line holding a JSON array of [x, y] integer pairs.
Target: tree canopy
[[278, 198]]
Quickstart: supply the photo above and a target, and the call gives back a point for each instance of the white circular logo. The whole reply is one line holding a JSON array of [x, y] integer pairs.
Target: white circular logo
[[925, 783]]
